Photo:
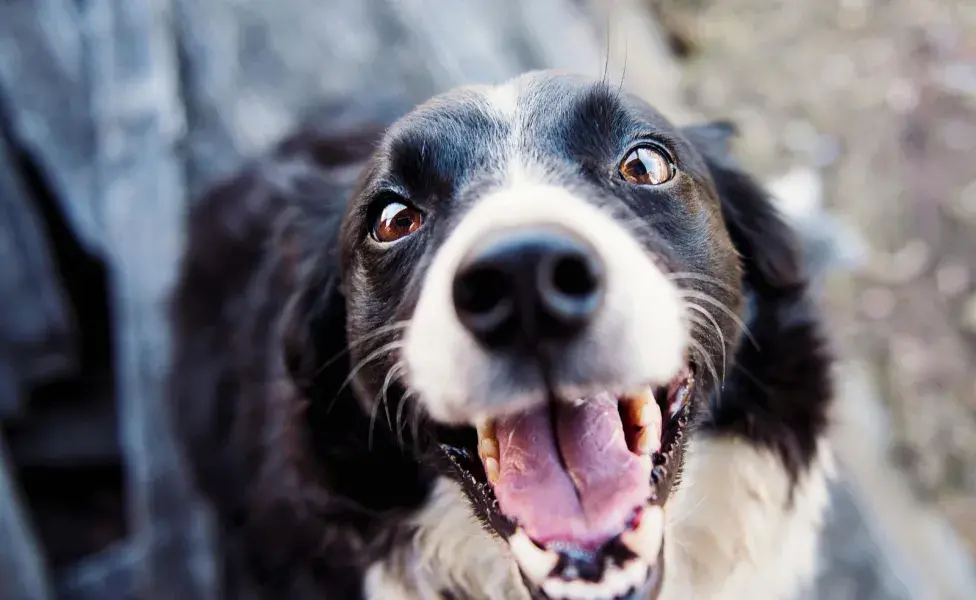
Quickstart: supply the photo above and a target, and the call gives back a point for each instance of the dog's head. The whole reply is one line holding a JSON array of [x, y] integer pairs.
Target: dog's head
[[543, 284]]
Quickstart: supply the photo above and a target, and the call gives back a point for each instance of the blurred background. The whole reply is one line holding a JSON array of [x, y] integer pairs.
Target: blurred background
[[860, 115]]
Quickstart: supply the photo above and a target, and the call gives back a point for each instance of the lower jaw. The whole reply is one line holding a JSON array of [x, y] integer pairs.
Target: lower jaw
[[631, 565]]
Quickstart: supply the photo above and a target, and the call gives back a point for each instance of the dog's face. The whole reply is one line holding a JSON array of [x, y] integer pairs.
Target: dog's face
[[539, 280]]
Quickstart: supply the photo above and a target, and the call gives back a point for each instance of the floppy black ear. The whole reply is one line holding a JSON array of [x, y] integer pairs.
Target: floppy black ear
[[344, 441], [768, 246], [315, 169], [778, 388]]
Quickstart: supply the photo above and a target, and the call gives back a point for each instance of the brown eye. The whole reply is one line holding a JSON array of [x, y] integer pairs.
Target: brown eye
[[646, 165], [396, 221]]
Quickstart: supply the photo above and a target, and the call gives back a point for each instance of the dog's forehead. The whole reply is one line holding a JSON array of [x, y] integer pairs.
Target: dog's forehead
[[538, 112]]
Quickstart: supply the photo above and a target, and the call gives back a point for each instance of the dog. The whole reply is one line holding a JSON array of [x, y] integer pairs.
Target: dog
[[529, 340]]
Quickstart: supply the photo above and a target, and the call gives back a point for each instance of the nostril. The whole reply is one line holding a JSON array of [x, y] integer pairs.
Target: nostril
[[483, 303], [570, 287], [574, 275], [480, 291]]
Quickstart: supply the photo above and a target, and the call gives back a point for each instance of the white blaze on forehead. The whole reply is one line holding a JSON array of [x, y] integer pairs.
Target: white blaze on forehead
[[501, 102], [503, 99], [639, 336]]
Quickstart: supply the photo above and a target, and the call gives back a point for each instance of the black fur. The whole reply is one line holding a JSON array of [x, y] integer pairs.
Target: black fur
[[775, 391], [309, 485]]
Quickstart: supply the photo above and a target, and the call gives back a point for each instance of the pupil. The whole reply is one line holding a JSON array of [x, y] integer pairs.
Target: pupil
[[403, 221]]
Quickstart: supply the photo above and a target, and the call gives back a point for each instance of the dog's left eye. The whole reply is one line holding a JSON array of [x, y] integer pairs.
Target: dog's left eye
[[647, 165], [395, 221]]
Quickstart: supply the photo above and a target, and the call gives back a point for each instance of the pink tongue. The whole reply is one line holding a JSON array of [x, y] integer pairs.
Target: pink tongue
[[538, 492]]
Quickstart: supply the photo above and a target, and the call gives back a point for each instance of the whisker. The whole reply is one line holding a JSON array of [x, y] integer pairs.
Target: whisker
[[702, 277], [362, 340], [708, 363], [399, 415], [372, 423], [391, 374], [416, 427], [379, 352], [623, 71], [706, 332], [704, 312], [382, 396], [686, 294]]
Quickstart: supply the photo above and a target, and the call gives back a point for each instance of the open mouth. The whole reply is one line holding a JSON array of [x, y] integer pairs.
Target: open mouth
[[583, 485]]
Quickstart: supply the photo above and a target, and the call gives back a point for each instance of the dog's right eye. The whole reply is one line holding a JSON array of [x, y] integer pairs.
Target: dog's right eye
[[647, 164], [395, 221]]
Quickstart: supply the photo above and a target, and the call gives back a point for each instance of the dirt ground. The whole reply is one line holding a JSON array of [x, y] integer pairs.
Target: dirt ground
[[880, 97]]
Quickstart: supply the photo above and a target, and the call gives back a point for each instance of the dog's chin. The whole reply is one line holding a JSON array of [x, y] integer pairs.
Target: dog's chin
[[577, 487]]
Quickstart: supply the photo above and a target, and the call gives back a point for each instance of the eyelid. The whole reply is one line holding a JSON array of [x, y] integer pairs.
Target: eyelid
[[650, 142], [658, 141]]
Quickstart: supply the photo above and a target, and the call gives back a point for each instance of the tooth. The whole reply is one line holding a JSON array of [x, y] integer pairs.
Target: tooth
[[492, 469], [646, 464], [646, 540], [637, 404], [486, 429], [536, 563], [488, 447], [648, 441], [644, 410], [649, 413]]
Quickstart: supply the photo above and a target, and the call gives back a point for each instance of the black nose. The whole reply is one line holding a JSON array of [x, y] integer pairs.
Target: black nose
[[528, 287]]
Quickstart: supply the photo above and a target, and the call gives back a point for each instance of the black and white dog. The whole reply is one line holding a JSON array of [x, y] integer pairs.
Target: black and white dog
[[529, 341]]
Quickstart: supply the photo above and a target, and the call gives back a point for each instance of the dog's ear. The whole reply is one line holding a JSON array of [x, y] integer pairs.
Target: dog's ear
[[313, 327], [769, 249], [313, 333], [778, 389]]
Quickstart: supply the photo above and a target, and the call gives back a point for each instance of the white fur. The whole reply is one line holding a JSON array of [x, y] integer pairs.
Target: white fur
[[451, 551], [457, 381], [732, 533]]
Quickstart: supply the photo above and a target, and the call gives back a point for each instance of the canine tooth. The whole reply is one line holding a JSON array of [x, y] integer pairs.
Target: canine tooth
[[486, 429], [488, 447], [649, 414], [645, 412], [492, 469], [536, 563], [648, 441], [646, 464], [646, 540], [637, 406]]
